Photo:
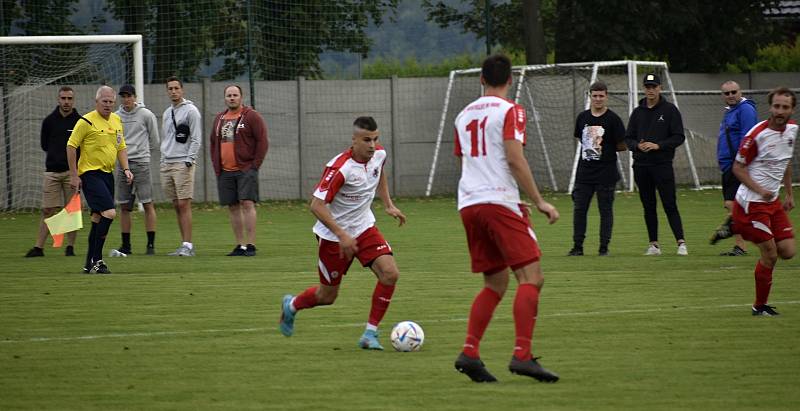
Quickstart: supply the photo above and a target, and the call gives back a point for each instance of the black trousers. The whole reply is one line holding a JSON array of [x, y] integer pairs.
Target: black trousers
[[659, 178], [581, 199]]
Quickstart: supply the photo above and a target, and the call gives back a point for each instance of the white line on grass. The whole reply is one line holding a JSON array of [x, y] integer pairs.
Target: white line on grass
[[444, 320]]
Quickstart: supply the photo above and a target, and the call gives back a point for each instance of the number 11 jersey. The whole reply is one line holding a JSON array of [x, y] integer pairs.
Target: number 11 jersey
[[480, 131]]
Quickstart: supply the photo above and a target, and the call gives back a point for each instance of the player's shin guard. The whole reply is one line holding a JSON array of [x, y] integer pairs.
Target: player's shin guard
[[763, 275], [479, 317], [306, 299], [526, 306], [381, 297], [100, 237]]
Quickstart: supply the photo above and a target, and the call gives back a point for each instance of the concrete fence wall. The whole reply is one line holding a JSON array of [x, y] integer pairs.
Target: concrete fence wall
[[309, 122]]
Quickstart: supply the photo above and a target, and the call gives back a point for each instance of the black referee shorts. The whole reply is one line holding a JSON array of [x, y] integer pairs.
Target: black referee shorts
[[98, 189]]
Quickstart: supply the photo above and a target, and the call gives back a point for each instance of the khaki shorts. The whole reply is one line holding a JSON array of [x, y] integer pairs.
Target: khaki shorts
[[56, 190], [177, 181]]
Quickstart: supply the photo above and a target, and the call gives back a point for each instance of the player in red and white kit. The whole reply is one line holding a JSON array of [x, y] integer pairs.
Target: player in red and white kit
[[762, 164], [346, 229], [489, 135]]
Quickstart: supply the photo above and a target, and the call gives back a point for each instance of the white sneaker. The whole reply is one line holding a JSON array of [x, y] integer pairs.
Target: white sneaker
[[682, 249], [116, 253], [653, 250], [183, 251]]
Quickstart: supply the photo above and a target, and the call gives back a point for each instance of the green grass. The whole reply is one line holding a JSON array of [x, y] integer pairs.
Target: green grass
[[624, 332]]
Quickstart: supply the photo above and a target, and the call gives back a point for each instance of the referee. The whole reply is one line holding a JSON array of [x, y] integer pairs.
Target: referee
[[99, 136]]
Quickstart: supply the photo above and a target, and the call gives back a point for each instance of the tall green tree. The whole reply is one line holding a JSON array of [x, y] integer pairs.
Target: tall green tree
[[517, 25], [692, 35]]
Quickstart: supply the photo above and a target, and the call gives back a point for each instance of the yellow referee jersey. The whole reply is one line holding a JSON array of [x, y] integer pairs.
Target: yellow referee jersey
[[99, 141]]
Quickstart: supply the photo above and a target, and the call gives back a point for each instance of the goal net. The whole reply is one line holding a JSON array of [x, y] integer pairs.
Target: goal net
[[32, 69], [553, 96]]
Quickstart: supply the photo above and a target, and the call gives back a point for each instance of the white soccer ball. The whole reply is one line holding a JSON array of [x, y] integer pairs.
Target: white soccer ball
[[407, 336]]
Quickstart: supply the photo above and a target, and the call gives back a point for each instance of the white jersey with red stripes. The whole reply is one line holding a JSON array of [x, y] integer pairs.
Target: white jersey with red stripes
[[480, 130], [348, 187], [766, 153]]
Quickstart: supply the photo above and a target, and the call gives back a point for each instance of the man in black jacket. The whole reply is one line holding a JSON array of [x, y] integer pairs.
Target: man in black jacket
[[56, 129], [655, 130]]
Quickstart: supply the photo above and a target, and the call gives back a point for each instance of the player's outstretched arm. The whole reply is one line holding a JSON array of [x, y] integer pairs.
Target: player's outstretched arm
[[389, 207], [347, 244], [524, 177]]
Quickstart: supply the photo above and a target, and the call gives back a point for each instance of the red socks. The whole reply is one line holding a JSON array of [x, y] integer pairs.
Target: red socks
[[479, 316], [381, 298], [306, 299], [763, 276], [526, 306]]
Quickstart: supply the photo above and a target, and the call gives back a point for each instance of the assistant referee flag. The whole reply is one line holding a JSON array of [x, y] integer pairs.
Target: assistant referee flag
[[68, 219]]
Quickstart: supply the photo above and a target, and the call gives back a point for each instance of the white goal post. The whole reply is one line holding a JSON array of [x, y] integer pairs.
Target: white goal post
[[32, 70], [553, 95], [134, 39]]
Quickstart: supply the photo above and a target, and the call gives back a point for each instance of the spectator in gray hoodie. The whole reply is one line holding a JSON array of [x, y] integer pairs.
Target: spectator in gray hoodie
[[141, 136], [182, 132]]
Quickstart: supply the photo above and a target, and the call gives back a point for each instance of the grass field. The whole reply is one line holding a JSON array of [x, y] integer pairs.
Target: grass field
[[624, 332]]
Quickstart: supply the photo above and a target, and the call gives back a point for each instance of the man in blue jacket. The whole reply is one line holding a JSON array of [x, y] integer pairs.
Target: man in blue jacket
[[655, 130], [740, 116]]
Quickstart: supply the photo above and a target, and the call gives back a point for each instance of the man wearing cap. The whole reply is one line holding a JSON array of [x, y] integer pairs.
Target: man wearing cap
[[655, 130], [141, 135]]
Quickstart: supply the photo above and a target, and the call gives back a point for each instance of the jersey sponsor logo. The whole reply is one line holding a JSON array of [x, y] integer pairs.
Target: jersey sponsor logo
[[326, 182], [660, 117]]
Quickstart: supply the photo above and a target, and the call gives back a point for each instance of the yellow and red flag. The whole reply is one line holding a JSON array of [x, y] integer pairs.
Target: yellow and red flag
[[68, 219]]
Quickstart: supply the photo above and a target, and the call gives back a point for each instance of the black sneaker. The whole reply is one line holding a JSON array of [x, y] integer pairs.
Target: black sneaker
[[35, 252], [238, 251], [100, 267], [765, 310], [576, 251], [125, 250], [722, 232], [736, 251], [150, 250], [250, 251], [70, 251], [531, 369], [474, 368]]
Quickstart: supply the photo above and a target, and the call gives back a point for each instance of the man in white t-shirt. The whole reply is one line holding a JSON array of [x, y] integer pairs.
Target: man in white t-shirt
[[762, 164], [346, 229], [489, 136]]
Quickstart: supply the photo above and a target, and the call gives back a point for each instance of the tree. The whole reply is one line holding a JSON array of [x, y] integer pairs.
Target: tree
[[516, 25], [692, 35]]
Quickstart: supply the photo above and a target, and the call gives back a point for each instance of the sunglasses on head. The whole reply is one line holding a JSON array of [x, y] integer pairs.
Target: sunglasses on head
[[730, 93]]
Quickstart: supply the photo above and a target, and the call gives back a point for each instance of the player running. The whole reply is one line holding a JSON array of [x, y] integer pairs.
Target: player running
[[346, 229], [490, 133]]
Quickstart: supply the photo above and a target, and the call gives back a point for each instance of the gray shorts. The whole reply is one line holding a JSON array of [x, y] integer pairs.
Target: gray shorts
[[235, 186], [142, 187]]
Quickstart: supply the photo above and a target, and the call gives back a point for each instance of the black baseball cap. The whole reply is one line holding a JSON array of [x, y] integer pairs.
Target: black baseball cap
[[127, 89], [652, 79]]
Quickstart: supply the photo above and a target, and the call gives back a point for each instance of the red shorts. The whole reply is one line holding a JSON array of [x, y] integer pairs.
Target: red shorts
[[331, 268], [764, 222], [499, 238]]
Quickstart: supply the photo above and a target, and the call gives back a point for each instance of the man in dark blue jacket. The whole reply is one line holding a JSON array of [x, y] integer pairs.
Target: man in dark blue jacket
[[740, 116], [56, 191], [655, 130]]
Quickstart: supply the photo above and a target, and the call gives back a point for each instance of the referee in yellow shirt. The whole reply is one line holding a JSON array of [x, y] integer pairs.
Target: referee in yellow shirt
[[99, 137]]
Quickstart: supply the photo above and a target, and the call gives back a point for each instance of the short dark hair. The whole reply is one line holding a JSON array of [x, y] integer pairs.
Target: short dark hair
[[366, 122], [65, 88], [496, 70], [173, 78], [598, 86], [233, 85], [781, 91]]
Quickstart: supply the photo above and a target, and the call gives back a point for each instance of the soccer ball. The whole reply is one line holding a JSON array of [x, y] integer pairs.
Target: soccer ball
[[407, 336]]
